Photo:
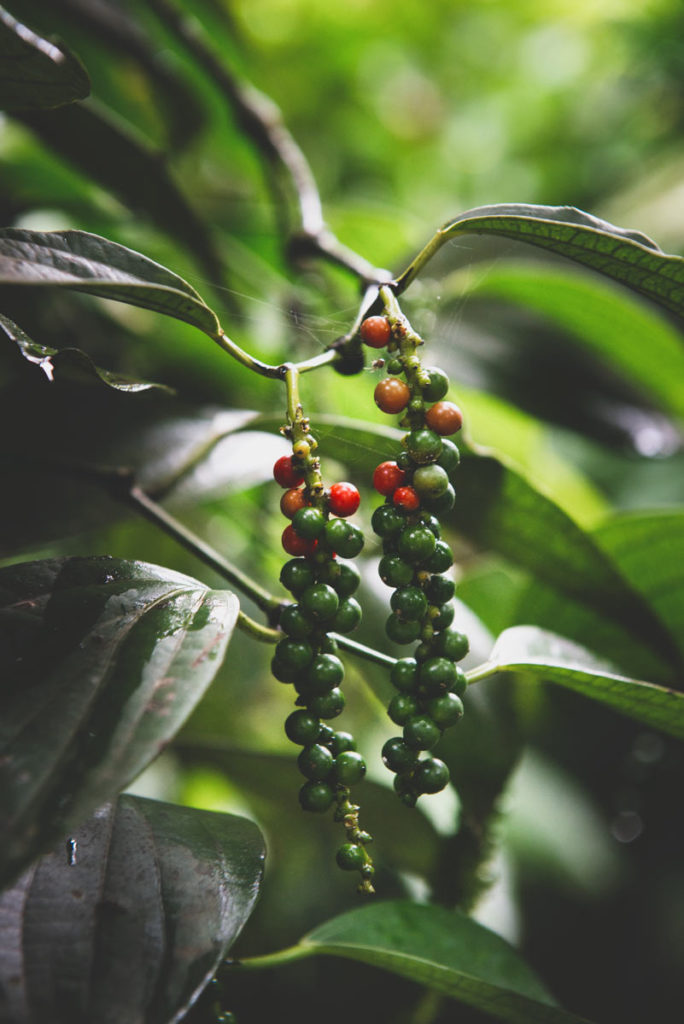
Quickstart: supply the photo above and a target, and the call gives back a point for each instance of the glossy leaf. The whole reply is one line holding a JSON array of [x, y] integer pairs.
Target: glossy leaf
[[88, 263], [101, 662], [68, 363], [445, 951], [649, 549], [34, 73], [621, 331], [557, 660], [129, 918], [625, 256]]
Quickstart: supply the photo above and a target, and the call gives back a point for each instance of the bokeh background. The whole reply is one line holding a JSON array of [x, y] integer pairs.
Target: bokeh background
[[409, 114]]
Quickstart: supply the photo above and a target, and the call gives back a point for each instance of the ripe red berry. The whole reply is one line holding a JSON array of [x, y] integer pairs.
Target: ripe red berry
[[286, 473], [391, 395], [387, 477], [296, 545], [444, 418], [344, 499], [376, 331], [292, 501], [406, 498]]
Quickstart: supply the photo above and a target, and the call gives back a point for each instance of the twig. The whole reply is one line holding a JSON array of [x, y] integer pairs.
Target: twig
[[260, 119]]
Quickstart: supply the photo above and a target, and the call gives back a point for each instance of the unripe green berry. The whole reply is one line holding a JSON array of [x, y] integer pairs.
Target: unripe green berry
[[341, 741], [294, 654], [315, 762], [402, 707], [394, 571], [320, 602], [409, 603], [417, 544], [349, 768], [350, 857], [441, 558], [402, 631], [316, 797], [405, 790], [387, 521], [327, 705], [444, 618], [324, 674], [346, 581], [452, 644], [431, 775], [423, 446], [421, 733], [294, 622], [436, 675], [445, 710], [296, 575], [397, 756], [344, 538], [438, 384], [450, 457], [308, 522], [347, 616], [439, 589], [302, 728], [404, 674], [444, 503], [430, 481]]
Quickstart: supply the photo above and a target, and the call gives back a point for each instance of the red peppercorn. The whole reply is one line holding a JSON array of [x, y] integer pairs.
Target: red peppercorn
[[444, 418], [387, 477], [286, 473], [296, 545], [376, 331], [406, 498], [344, 499], [292, 501], [391, 395]]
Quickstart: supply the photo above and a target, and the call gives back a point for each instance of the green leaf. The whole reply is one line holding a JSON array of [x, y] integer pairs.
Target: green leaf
[[620, 330], [625, 256], [648, 547], [443, 950], [555, 659], [68, 363], [101, 662], [35, 73], [129, 919], [88, 263]]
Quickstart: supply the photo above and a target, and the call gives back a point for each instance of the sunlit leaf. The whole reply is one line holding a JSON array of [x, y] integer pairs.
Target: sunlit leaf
[[625, 256], [88, 263], [68, 363], [129, 918], [557, 660], [35, 73], [620, 330], [101, 662]]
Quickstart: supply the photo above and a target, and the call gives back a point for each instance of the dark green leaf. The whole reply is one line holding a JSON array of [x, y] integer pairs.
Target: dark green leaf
[[620, 330], [443, 950], [626, 256], [35, 73], [108, 151], [648, 547], [101, 662], [558, 660], [88, 263], [129, 919], [68, 363]]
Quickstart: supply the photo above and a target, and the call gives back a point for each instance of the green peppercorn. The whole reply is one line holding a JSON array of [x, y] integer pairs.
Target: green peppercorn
[[423, 446], [402, 631], [417, 544], [431, 775], [315, 762], [430, 481], [404, 674], [349, 768], [445, 616], [294, 654], [450, 457], [452, 644], [438, 384], [327, 705], [445, 710], [324, 674], [387, 521], [409, 603], [441, 558], [436, 675], [444, 503], [302, 728], [341, 741], [394, 571], [316, 797], [397, 755], [296, 575], [320, 602], [350, 857], [294, 622], [308, 522], [421, 733], [347, 616], [439, 589], [402, 707]]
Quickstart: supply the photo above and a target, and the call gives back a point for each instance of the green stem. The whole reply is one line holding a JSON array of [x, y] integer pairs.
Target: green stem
[[161, 518], [354, 647], [483, 671], [423, 257], [257, 631], [257, 963]]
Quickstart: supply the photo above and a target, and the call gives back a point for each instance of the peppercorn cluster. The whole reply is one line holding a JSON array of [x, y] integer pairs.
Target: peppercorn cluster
[[307, 656], [417, 488]]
